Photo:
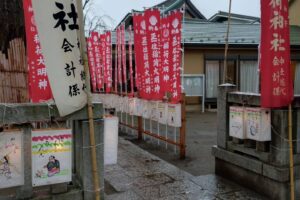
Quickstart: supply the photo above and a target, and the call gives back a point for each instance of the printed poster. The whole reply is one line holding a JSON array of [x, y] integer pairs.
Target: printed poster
[[11, 159], [174, 115], [258, 124], [51, 156], [146, 109], [236, 122], [162, 112], [153, 110]]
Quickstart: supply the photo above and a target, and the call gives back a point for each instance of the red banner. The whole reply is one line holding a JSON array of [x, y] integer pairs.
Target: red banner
[[176, 55], [276, 80], [39, 87], [165, 54], [92, 64], [130, 61], [123, 43], [103, 57], [108, 60], [144, 70], [116, 65], [119, 56], [137, 18], [97, 55], [152, 17]]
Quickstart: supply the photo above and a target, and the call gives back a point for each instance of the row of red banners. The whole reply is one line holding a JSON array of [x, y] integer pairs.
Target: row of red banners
[[100, 61], [157, 42], [157, 50]]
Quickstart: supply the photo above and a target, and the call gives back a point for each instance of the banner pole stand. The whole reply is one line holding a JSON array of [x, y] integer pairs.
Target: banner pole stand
[[96, 176], [291, 154]]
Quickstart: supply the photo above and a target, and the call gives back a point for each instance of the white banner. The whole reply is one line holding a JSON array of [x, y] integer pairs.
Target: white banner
[[51, 156], [57, 24], [11, 159]]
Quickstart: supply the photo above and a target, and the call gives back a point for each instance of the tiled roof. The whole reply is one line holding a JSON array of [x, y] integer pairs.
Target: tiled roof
[[201, 33], [224, 15]]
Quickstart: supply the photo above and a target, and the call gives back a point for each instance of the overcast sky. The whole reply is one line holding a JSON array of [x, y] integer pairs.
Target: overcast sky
[[117, 9]]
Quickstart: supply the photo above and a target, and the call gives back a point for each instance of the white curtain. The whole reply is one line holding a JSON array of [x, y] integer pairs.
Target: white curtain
[[212, 79], [249, 78], [297, 80]]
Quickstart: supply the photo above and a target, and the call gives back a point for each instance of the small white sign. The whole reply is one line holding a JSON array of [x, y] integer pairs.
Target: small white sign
[[174, 115], [132, 106], [51, 156], [236, 122], [11, 159], [258, 124], [139, 107], [153, 110], [162, 112], [146, 109]]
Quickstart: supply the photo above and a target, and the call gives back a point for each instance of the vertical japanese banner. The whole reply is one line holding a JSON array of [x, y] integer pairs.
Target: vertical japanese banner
[[39, 87], [165, 54], [137, 18], [130, 61], [108, 62], [103, 58], [116, 63], [123, 43], [153, 40], [119, 56], [57, 24], [276, 80], [92, 64], [144, 70], [175, 52], [97, 53]]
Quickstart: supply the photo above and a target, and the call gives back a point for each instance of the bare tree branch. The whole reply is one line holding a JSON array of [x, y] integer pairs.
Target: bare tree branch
[[86, 2], [93, 21]]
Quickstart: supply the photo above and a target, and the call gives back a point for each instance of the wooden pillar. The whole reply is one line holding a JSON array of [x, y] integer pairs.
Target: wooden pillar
[[183, 128]]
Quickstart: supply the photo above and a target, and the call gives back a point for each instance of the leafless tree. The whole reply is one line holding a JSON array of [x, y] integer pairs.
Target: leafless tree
[[93, 20]]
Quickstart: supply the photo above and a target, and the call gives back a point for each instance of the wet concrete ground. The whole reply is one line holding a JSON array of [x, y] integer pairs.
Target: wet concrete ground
[[139, 175]]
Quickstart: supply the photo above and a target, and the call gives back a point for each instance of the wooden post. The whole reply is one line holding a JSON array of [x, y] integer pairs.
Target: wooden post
[[140, 128], [291, 154], [182, 128], [89, 100]]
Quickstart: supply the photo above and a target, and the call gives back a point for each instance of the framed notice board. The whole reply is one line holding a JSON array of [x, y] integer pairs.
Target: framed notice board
[[194, 86]]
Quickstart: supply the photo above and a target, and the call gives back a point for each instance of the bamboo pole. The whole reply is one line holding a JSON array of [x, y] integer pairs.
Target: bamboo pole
[[291, 154], [96, 176]]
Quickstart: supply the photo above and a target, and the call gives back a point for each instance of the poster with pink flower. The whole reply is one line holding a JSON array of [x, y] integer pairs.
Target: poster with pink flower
[[51, 156]]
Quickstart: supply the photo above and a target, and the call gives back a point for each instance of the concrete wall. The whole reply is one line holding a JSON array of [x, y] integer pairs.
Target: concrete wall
[[294, 13]]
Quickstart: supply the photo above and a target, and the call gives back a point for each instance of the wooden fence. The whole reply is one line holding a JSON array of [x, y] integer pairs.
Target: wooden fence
[[14, 73]]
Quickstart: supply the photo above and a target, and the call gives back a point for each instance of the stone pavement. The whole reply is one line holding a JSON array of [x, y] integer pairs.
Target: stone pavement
[[140, 175]]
